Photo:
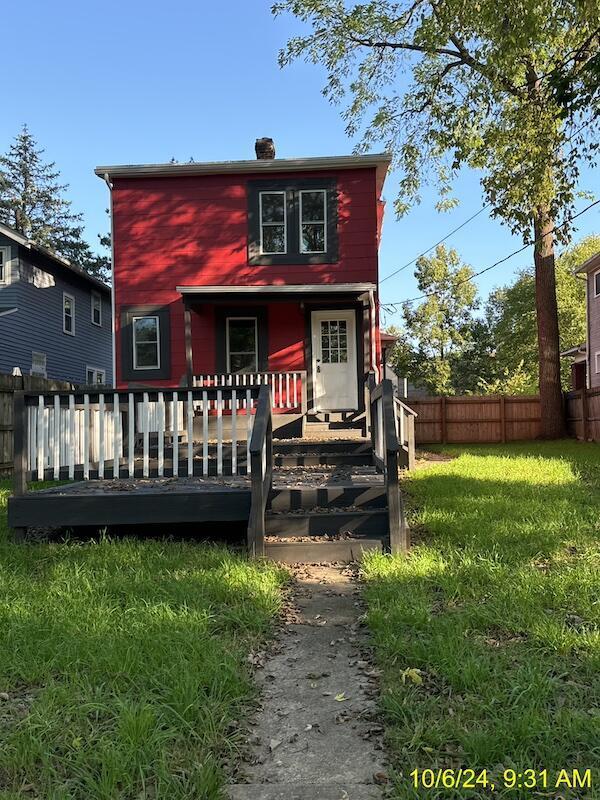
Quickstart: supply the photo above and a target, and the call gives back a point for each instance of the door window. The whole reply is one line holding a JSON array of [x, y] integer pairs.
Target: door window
[[334, 341]]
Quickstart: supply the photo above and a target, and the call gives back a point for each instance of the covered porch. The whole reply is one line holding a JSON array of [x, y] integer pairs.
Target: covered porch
[[313, 345]]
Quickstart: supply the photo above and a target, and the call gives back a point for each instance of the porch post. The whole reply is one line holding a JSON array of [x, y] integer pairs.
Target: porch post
[[189, 359]]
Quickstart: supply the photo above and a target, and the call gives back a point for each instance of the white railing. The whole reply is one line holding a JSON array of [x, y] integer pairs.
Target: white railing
[[83, 435], [288, 389]]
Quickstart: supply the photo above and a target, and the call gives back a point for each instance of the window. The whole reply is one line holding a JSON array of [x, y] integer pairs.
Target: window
[[242, 341], [292, 221], [272, 222], [68, 314], [146, 343], [96, 309], [4, 258], [597, 284], [38, 364], [93, 375], [334, 341], [313, 213], [597, 362]]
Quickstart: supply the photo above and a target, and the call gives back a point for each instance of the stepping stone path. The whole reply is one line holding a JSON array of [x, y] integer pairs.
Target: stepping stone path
[[316, 734]]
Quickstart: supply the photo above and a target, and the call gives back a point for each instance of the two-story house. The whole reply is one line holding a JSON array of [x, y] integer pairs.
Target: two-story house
[[241, 268], [55, 319]]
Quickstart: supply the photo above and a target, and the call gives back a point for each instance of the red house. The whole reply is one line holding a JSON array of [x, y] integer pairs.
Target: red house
[[237, 272]]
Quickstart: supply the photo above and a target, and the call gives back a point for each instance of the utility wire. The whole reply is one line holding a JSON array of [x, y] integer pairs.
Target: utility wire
[[391, 307]]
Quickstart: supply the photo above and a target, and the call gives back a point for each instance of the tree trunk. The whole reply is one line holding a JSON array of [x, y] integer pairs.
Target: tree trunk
[[551, 401]]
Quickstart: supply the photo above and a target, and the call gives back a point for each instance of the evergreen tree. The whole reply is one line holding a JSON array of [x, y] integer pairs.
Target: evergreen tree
[[32, 202]]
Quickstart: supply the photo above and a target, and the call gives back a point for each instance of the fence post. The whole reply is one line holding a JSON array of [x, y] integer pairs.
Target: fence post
[[503, 417], [584, 414], [443, 417], [19, 455]]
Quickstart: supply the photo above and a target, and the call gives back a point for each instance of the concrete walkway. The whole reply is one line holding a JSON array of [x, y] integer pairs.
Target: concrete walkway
[[316, 734]]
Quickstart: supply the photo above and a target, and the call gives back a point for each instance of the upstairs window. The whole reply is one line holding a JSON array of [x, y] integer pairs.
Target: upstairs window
[[4, 264], [272, 222], [146, 343], [597, 284], [292, 222], [68, 314], [313, 219], [96, 309]]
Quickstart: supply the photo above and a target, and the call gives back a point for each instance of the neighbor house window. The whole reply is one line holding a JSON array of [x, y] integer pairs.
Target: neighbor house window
[[273, 224], [68, 314], [597, 284], [242, 344], [96, 309], [4, 251], [313, 221], [94, 375], [146, 342], [38, 364], [598, 362]]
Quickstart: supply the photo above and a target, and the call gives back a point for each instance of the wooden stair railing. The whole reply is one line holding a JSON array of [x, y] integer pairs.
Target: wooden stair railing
[[386, 449], [406, 432], [261, 466]]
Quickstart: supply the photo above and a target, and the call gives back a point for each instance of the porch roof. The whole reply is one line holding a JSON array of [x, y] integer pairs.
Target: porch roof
[[282, 292]]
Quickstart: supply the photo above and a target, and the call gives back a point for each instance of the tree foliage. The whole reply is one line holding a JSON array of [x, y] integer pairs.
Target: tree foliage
[[33, 202]]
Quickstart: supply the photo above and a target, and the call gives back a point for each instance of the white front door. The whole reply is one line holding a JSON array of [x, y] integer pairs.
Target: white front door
[[335, 380]]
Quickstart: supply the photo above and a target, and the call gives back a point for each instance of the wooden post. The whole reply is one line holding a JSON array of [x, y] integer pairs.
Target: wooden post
[[585, 413], [410, 425], [189, 358], [443, 417], [19, 455], [503, 418]]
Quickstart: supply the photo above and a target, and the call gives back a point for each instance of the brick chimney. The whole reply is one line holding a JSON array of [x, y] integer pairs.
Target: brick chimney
[[265, 148]]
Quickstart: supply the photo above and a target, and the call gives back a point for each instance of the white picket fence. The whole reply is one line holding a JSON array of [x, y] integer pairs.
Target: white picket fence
[[120, 433]]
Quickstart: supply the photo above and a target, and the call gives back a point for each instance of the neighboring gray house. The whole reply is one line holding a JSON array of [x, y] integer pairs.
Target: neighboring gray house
[[55, 319], [590, 351]]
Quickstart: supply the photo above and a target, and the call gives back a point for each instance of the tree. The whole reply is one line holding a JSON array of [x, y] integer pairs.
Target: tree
[[439, 327], [511, 314], [447, 83], [32, 202]]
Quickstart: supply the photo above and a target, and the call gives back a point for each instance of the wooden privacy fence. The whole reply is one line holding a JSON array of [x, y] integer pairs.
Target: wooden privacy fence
[[470, 419], [9, 384], [583, 414], [133, 434]]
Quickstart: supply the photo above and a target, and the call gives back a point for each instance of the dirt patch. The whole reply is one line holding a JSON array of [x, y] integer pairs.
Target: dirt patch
[[316, 734], [425, 459]]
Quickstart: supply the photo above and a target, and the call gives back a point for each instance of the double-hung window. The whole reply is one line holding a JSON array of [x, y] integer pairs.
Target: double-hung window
[[273, 222], [4, 251], [597, 284], [242, 344], [313, 221], [96, 309], [68, 314], [292, 221], [146, 342]]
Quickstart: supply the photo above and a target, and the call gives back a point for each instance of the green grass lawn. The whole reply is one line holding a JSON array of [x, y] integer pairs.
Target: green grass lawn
[[488, 633], [123, 666]]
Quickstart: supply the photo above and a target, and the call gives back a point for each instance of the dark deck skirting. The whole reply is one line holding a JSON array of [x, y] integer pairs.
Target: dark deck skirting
[[71, 508]]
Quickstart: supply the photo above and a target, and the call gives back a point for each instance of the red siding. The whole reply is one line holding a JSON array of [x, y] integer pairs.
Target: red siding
[[193, 231]]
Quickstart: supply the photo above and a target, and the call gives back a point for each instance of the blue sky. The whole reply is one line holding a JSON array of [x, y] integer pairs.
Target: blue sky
[[129, 81]]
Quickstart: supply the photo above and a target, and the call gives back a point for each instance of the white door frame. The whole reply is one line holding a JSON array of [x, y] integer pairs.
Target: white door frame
[[349, 314]]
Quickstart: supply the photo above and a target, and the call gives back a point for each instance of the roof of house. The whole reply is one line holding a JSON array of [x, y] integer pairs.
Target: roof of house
[[61, 262], [591, 263], [380, 161]]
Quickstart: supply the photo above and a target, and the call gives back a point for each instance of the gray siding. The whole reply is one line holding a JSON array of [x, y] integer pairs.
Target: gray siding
[[593, 330], [36, 289]]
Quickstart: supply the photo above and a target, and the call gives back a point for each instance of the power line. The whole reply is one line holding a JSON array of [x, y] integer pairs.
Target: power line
[[474, 216], [392, 306]]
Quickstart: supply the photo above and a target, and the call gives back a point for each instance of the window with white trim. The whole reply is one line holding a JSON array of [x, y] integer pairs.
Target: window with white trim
[[146, 342], [597, 365], [313, 221], [273, 222], [38, 364], [242, 344], [4, 258], [597, 284], [68, 314], [94, 375], [96, 309]]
